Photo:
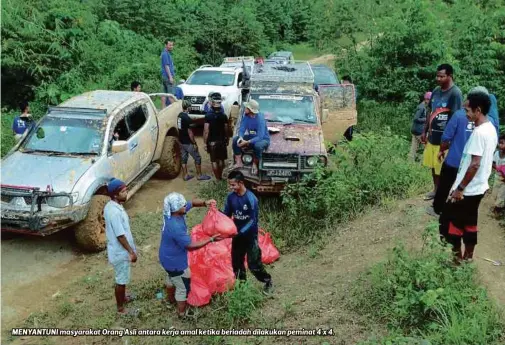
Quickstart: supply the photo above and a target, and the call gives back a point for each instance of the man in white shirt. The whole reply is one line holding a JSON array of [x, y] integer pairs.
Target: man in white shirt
[[472, 180], [120, 246]]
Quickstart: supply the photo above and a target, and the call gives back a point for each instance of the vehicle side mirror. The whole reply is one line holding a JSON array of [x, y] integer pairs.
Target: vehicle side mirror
[[326, 113], [119, 146]]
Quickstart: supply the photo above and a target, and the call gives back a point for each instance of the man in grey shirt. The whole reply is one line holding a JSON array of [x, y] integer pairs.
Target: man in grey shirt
[[121, 250]]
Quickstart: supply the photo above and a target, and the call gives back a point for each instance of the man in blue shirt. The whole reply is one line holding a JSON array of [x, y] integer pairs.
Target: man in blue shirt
[[23, 122], [253, 134], [242, 206], [167, 71], [121, 250], [174, 246]]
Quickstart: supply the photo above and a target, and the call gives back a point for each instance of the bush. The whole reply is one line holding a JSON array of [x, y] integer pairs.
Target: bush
[[422, 294], [362, 173]]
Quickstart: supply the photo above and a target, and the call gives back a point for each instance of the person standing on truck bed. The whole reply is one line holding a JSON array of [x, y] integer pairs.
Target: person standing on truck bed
[[243, 207], [167, 72], [23, 122], [447, 95], [215, 135], [121, 250], [253, 134], [188, 144]]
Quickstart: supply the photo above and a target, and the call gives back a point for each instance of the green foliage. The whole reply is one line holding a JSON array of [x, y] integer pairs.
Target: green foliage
[[362, 173], [241, 302], [422, 294]]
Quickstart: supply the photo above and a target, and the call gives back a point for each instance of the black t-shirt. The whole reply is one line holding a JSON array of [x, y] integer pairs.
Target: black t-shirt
[[217, 122], [183, 123]]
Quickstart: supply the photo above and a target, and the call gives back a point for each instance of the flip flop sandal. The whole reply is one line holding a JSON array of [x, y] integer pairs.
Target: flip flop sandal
[[188, 177], [129, 312], [204, 178]]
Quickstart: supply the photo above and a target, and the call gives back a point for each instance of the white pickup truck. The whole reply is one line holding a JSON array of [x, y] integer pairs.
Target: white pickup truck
[[225, 80]]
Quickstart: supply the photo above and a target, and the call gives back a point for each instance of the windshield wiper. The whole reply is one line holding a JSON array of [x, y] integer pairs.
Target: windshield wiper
[[49, 152], [304, 121], [82, 153]]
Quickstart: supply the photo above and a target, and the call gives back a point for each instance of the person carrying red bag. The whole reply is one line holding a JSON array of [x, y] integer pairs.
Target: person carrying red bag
[[174, 246], [242, 205]]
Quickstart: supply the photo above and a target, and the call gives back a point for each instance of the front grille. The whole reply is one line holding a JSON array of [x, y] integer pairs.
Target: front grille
[[195, 99], [275, 161], [10, 193]]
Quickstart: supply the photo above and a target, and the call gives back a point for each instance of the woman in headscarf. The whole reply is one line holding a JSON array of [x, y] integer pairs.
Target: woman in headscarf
[[174, 246]]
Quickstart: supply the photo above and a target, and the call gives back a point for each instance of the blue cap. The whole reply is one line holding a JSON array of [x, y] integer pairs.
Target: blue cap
[[114, 185]]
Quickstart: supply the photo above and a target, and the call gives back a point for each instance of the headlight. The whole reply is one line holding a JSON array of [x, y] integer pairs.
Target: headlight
[[312, 161], [247, 159], [58, 201]]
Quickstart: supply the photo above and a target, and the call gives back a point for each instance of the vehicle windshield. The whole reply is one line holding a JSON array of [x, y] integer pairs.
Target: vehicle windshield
[[286, 108], [218, 78], [324, 76], [62, 135]]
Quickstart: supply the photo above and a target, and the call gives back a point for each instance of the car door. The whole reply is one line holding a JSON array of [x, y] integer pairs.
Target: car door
[[143, 125], [124, 165], [338, 109]]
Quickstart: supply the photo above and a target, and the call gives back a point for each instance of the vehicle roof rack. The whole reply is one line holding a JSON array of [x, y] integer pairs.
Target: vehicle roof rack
[[298, 72], [81, 111], [238, 58]]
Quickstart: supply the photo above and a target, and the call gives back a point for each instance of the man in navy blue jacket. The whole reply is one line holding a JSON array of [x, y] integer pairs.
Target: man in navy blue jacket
[[242, 205]]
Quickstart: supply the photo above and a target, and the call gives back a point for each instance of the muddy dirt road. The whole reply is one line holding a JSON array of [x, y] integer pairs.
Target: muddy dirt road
[[34, 269]]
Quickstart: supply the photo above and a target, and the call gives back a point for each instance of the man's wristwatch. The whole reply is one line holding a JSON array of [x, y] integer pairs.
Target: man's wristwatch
[[460, 188]]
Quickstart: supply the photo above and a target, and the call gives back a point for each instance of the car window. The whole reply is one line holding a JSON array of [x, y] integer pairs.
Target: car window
[[136, 119], [121, 130], [287, 108], [324, 76], [67, 135], [218, 78]]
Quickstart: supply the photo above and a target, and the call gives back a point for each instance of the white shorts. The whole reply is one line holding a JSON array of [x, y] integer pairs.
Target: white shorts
[[122, 270], [181, 280]]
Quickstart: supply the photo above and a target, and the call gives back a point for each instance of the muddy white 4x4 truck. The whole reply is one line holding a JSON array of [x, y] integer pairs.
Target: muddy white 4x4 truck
[[56, 176], [301, 122]]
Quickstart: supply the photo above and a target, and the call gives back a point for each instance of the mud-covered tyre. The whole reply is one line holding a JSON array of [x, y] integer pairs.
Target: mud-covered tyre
[[349, 133], [170, 160], [90, 233]]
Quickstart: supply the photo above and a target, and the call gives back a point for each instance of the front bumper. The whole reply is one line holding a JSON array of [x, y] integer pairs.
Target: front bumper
[[37, 218]]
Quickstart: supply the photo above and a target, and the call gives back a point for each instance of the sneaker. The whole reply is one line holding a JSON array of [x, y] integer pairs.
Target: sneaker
[[268, 288], [431, 211]]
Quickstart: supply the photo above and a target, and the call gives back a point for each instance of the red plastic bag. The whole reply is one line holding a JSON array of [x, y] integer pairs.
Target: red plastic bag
[[216, 223], [199, 294], [269, 252]]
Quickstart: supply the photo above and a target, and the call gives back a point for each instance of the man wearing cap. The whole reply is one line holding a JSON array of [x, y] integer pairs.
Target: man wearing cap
[[215, 135], [253, 134], [445, 100], [174, 246], [121, 250], [418, 125]]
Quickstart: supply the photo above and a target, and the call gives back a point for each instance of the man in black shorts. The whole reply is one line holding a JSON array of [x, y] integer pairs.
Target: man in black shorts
[[472, 180], [188, 144], [215, 135]]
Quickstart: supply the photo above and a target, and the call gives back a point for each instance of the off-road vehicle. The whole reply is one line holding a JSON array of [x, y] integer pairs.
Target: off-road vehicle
[[56, 176], [300, 121]]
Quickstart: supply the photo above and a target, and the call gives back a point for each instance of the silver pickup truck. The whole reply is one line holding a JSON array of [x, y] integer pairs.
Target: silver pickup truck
[[56, 175]]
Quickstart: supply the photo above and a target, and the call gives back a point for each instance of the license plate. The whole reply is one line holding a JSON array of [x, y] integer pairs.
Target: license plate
[[194, 108], [279, 173]]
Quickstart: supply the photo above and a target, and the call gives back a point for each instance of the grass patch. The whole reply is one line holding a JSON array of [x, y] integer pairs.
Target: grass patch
[[422, 295], [371, 170], [302, 51]]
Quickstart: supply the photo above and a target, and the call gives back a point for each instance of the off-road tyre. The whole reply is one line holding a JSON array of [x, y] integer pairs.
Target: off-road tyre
[[170, 160], [90, 233]]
